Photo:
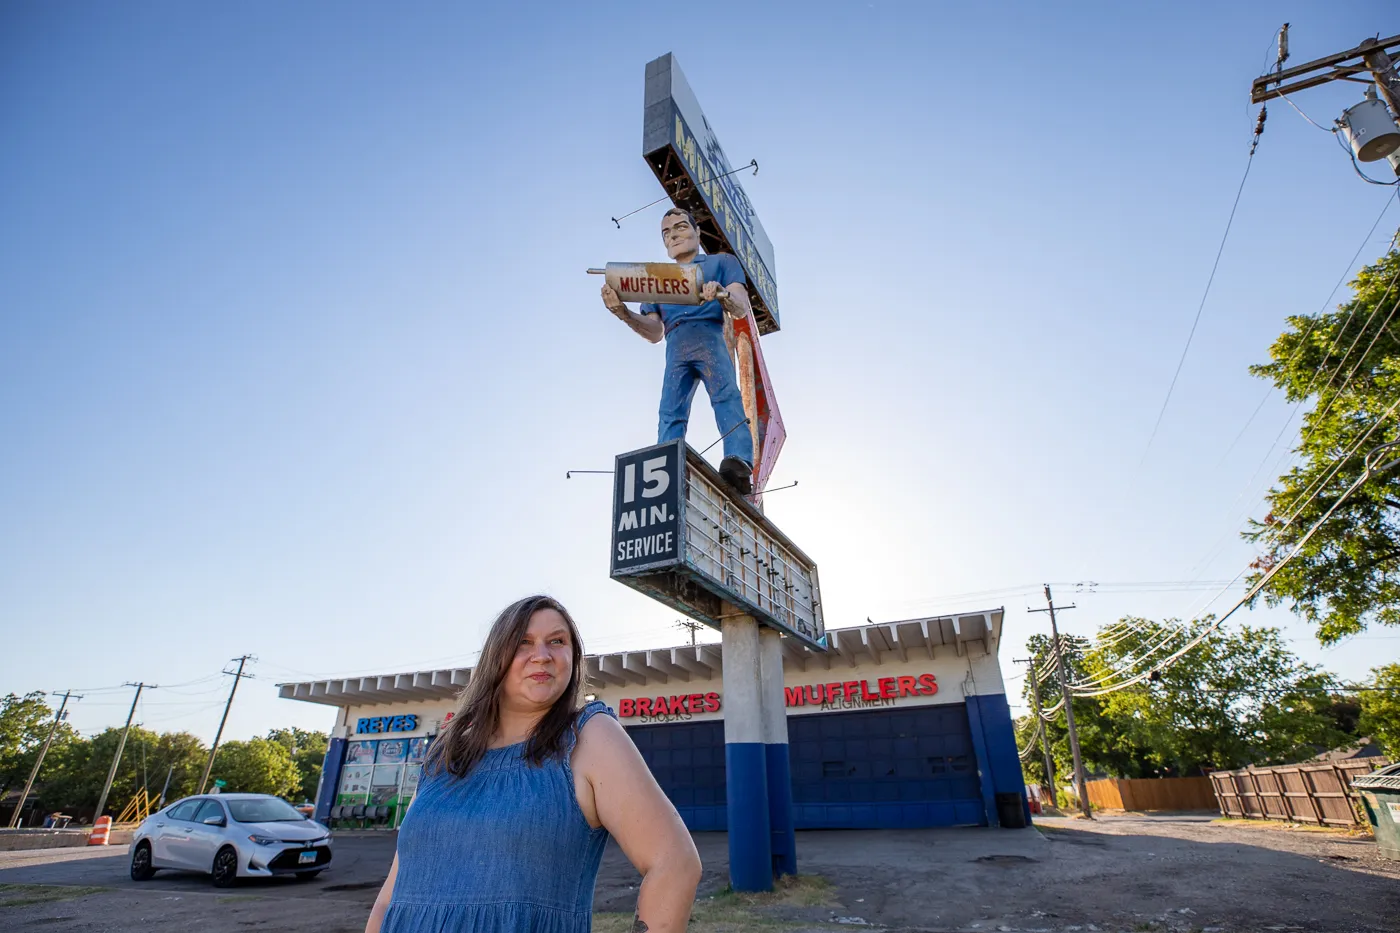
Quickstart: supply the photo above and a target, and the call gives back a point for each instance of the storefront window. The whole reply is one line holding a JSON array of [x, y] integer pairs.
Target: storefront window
[[354, 784], [359, 753], [382, 772], [411, 775]]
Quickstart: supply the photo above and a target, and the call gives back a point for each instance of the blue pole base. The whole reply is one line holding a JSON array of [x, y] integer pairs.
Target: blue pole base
[[784, 841], [750, 846]]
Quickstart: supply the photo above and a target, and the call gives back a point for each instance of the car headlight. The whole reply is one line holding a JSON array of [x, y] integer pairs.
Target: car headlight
[[263, 840]]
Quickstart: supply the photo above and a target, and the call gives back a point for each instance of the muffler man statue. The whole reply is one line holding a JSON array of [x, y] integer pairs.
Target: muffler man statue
[[695, 347]]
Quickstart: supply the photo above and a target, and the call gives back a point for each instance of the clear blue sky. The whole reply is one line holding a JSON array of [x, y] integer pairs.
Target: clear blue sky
[[296, 343]]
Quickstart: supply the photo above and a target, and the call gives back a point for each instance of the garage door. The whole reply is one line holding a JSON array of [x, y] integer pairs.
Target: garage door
[[881, 769], [865, 769], [687, 760]]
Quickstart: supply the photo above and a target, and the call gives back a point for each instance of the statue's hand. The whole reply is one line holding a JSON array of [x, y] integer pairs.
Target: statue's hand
[[613, 302], [711, 290]]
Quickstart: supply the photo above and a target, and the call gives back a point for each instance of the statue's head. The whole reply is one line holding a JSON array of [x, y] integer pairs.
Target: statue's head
[[679, 233]]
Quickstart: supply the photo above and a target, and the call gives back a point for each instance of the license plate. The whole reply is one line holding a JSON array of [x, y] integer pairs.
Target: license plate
[[307, 858]]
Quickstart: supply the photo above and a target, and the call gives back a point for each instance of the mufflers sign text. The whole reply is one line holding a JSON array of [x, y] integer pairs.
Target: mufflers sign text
[[671, 283], [843, 694]]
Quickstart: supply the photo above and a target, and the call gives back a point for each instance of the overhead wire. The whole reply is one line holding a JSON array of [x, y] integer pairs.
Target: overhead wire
[[1253, 590], [1215, 266], [1319, 483], [1234, 526], [1026, 753]]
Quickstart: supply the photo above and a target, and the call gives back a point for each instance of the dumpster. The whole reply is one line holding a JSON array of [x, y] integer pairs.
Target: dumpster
[[1380, 795]]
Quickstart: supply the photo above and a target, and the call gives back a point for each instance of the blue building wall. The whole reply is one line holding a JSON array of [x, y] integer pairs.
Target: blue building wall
[[939, 765], [1001, 758]]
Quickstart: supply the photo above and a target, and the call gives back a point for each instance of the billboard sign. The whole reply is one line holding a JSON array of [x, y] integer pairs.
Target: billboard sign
[[682, 149], [681, 535], [646, 504]]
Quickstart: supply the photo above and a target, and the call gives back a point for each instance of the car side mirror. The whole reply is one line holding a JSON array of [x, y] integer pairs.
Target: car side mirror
[[214, 821]]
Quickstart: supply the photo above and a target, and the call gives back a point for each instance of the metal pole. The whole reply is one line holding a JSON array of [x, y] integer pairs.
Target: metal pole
[[209, 765], [1044, 736], [34, 772], [1081, 783], [112, 771], [168, 775]]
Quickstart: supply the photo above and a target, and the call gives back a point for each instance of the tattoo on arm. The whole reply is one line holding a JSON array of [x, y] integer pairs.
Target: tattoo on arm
[[639, 925]]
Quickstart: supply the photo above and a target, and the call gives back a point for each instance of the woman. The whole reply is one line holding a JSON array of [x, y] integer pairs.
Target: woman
[[519, 795]]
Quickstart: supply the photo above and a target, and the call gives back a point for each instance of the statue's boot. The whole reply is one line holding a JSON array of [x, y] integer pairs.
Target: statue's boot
[[737, 473]]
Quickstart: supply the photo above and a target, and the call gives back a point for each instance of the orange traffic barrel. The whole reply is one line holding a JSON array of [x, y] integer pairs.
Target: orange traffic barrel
[[101, 829]]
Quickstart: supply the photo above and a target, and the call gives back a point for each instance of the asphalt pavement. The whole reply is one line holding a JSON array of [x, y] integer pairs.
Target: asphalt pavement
[[1166, 873]]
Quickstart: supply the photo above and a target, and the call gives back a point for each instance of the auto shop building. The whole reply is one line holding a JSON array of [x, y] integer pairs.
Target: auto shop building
[[899, 724]]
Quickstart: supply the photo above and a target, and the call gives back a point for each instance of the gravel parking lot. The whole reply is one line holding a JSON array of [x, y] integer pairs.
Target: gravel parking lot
[[1124, 873]]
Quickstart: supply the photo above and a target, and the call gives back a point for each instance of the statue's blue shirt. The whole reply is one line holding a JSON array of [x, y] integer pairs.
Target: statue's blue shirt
[[722, 268]]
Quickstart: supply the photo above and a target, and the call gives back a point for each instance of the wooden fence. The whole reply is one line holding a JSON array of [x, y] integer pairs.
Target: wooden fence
[[1300, 793], [1151, 794]]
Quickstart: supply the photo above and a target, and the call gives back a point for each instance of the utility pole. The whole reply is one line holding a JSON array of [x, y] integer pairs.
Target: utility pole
[[1044, 739], [116, 759], [1080, 782], [168, 775], [237, 676], [1369, 55], [34, 772], [689, 625]]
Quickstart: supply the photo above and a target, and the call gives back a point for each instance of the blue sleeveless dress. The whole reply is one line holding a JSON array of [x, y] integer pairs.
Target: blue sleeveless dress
[[504, 849]]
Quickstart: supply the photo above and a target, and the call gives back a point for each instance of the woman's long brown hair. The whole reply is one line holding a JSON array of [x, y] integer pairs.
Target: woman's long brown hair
[[464, 740]]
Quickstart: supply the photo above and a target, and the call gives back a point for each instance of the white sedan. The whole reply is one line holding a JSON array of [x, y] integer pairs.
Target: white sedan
[[231, 836]]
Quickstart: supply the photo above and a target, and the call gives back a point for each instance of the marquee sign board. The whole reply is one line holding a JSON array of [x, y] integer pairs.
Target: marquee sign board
[[682, 149], [684, 537]]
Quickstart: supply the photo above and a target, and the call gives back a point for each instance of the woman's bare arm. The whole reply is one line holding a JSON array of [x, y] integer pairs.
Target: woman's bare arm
[[619, 793], [381, 903]]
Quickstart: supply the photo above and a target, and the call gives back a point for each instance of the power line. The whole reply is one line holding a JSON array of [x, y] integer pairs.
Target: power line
[[1254, 144], [1354, 341], [1297, 350], [1272, 572]]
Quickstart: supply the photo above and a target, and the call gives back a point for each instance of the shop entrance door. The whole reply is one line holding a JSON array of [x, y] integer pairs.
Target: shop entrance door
[[884, 769]]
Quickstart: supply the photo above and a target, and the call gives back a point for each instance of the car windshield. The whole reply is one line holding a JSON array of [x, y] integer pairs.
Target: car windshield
[[265, 810]]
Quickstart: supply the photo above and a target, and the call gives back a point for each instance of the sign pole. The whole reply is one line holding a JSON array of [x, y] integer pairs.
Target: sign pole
[[745, 757], [775, 747]]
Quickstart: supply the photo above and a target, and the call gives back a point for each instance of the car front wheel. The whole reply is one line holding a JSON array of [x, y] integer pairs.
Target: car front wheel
[[141, 869], [225, 868]]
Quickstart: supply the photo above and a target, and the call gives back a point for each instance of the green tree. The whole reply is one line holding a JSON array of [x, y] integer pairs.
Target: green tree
[[81, 767], [308, 750], [1347, 363], [1380, 709], [181, 757], [24, 722], [1239, 697], [257, 766]]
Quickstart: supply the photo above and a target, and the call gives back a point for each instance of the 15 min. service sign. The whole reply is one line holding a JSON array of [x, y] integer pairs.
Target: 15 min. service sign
[[647, 488]]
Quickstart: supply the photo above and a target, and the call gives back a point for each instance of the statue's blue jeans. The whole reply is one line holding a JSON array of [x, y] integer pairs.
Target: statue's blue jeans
[[696, 353]]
